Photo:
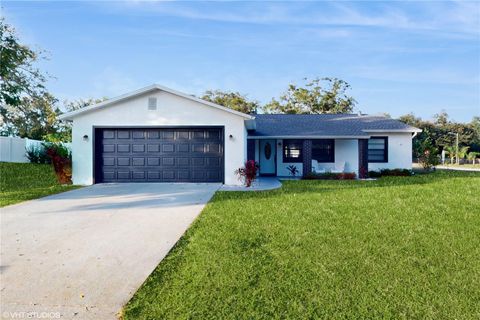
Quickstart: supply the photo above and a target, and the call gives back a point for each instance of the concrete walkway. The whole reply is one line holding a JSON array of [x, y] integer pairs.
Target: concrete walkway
[[82, 254], [260, 184]]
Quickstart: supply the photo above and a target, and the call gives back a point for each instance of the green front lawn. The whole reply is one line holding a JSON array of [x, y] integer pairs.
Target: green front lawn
[[25, 181], [396, 248]]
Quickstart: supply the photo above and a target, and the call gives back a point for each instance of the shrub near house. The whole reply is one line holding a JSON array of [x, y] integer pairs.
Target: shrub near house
[[331, 176], [57, 154]]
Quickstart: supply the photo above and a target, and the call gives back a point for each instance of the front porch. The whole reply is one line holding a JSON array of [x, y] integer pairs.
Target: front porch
[[299, 157]]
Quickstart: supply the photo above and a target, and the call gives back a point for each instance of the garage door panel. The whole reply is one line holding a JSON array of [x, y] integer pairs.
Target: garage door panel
[[123, 134], [108, 134], [138, 161], [107, 148], [197, 147], [213, 148], [123, 175], [153, 161], [183, 147], [109, 175], [213, 162], [213, 175], [138, 134], [107, 161], [200, 134], [168, 147], [123, 161], [213, 134], [138, 148], [160, 155], [168, 174], [168, 161], [183, 162], [183, 174], [153, 148], [123, 148], [153, 134], [138, 175], [183, 134], [168, 135], [199, 175], [198, 162]]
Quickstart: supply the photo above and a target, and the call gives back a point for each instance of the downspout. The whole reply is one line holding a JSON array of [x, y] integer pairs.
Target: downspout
[[414, 134]]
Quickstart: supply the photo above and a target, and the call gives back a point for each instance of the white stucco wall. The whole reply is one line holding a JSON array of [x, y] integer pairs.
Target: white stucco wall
[[172, 110], [399, 152]]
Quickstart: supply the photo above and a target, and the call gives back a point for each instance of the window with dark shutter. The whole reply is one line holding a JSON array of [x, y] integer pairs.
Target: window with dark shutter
[[378, 149]]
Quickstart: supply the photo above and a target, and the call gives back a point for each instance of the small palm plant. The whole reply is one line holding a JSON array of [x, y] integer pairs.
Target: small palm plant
[[472, 156], [293, 170], [451, 151], [462, 153]]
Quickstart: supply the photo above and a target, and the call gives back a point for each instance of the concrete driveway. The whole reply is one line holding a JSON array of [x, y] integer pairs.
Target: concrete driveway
[[82, 254]]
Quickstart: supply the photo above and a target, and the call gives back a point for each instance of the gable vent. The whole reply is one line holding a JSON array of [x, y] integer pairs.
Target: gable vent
[[152, 103]]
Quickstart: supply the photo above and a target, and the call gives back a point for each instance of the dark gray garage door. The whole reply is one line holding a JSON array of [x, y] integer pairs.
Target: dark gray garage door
[[159, 155]]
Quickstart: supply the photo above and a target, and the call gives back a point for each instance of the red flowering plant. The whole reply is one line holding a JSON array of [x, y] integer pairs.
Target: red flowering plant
[[62, 161], [363, 173], [248, 173]]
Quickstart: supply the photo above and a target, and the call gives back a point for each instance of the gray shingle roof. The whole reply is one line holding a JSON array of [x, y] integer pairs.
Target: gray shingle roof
[[324, 125]]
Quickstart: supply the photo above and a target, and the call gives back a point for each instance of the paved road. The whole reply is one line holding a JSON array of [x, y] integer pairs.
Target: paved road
[[458, 168], [82, 254]]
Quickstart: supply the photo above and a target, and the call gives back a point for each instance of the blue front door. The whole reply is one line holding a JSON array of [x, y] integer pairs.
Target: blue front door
[[267, 157]]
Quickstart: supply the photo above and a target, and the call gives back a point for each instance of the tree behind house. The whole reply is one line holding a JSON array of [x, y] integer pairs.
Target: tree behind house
[[320, 95], [232, 100]]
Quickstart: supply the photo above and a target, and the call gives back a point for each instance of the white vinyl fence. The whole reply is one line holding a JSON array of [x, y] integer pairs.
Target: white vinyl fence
[[13, 149]]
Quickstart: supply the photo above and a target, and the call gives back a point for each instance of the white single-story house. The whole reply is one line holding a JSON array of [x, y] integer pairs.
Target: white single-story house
[[157, 134]]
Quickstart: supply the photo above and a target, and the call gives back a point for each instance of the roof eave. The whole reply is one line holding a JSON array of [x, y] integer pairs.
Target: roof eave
[[73, 114], [407, 130]]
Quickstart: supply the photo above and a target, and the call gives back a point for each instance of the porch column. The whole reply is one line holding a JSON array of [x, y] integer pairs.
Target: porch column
[[250, 149], [307, 157], [362, 158]]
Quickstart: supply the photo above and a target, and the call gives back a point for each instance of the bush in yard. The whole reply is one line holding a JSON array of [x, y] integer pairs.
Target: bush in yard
[[427, 154], [330, 176], [37, 154], [248, 173], [62, 161], [390, 172]]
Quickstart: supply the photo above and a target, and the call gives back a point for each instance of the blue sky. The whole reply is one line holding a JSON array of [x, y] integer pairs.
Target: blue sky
[[399, 57]]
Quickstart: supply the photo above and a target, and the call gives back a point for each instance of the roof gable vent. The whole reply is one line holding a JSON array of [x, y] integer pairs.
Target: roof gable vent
[[152, 103]]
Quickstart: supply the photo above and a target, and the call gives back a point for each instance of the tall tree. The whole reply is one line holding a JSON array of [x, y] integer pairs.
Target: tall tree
[[34, 117], [442, 132], [19, 76], [320, 95], [232, 100]]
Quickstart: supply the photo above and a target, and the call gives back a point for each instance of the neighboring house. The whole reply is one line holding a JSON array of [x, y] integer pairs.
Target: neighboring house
[[156, 134]]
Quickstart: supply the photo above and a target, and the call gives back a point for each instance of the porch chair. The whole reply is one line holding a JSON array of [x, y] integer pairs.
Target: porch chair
[[340, 168], [316, 168]]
